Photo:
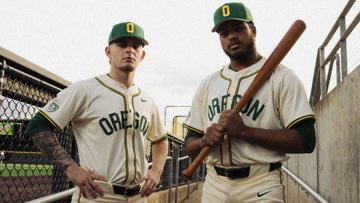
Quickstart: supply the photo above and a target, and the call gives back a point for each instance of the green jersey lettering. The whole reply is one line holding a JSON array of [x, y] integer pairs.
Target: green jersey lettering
[[215, 105], [115, 121], [143, 123], [106, 126], [246, 108], [211, 113], [251, 108], [136, 120], [224, 102], [255, 110], [235, 100], [124, 119]]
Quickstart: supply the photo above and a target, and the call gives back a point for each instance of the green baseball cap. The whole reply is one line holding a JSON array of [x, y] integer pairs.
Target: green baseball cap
[[127, 29], [231, 11]]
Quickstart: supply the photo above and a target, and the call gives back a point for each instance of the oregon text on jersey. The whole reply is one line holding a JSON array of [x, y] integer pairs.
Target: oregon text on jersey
[[117, 121], [218, 105]]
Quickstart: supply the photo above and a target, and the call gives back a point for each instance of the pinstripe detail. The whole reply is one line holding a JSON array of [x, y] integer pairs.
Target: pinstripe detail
[[227, 92], [133, 135], [221, 155], [125, 136], [193, 129], [49, 119], [165, 137], [281, 182], [298, 120], [236, 92], [223, 76]]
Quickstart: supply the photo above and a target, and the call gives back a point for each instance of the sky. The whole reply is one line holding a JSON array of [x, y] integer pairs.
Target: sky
[[69, 37]]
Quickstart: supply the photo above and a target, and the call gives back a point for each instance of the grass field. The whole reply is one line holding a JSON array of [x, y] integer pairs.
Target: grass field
[[7, 170]]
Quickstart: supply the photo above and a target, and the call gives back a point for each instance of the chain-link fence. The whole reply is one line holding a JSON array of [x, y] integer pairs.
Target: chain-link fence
[[25, 173]]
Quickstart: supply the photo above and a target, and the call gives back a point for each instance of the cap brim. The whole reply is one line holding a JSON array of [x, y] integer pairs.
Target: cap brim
[[141, 39], [227, 19]]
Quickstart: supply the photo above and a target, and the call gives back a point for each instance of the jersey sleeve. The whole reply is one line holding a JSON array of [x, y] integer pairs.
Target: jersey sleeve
[[67, 106], [157, 130], [194, 119], [293, 102]]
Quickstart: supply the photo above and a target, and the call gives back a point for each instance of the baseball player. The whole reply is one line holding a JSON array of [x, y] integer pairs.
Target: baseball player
[[247, 147], [111, 118]]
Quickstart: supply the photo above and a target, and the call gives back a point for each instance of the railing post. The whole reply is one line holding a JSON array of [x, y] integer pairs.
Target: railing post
[[187, 179], [170, 179], [176, 177], [2, 74], [343, 50], [338, 74], [322, 73]]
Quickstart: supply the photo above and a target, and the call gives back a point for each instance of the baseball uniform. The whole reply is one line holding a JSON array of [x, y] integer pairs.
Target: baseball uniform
[[238, 170], [110, 123], [279, 104]]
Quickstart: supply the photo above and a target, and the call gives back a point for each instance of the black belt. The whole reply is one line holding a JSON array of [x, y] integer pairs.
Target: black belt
[[242, 172], [121, 190]]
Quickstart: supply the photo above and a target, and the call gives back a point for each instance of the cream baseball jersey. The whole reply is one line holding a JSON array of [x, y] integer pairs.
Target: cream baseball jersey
[[110, 124], [279, 104]]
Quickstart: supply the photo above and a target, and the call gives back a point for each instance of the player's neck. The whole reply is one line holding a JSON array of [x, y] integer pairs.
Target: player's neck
[[126, 78], [237, 65]]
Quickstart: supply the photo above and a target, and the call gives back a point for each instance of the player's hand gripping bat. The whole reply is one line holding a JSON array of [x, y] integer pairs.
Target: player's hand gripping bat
[[269, 66]]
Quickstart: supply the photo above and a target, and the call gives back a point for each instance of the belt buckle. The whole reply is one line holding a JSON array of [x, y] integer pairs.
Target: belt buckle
[[126, 191], [131, 191], [226, 173]]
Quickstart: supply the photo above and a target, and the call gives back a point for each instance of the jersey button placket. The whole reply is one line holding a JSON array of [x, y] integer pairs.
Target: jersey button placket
[[130, 116]]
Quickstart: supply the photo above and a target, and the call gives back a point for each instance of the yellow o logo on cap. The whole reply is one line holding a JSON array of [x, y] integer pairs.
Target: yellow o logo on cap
[[226, 10], [130, 27]]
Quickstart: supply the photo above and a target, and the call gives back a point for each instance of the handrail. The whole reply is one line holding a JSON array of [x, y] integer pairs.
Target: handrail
[[54, 197], [32, 69], [172, 106], [305, 186], [347, 32], [320, 81], [336, 24], [69, 192]]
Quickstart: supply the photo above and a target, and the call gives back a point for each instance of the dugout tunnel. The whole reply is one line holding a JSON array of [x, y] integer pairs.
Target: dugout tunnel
[[329, 174]]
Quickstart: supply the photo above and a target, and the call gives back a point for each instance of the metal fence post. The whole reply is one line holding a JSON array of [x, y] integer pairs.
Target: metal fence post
[[343, 49], [322, 73], [176, 177], [170, 179]]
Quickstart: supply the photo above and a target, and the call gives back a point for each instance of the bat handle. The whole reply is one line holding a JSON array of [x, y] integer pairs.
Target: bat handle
[[189, 172]]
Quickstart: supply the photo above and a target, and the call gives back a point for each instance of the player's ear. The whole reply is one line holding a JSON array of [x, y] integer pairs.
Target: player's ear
[[143, 55], [108, 52], [253, 29]]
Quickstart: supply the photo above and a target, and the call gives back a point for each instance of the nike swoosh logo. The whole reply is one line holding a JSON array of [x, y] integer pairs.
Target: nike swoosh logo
[[143, 100], [262, 194]]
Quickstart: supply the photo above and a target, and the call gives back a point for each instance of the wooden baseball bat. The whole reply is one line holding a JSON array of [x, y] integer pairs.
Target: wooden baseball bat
[[292, 35]]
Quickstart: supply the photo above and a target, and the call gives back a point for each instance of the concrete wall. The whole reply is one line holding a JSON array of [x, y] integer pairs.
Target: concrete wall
[[333, 168]]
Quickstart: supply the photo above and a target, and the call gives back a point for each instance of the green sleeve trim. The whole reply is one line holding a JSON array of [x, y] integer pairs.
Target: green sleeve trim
[[165, 137], [192, 134], [192, 129], [49, 120], [306, 130], [38, 124], [293, 123]]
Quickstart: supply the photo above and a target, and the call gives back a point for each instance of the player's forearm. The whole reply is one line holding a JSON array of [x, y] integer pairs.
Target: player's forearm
[[49, 145], [159, 154], [286, 140], [194, 147]]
